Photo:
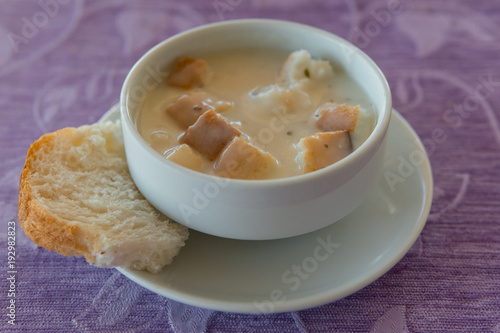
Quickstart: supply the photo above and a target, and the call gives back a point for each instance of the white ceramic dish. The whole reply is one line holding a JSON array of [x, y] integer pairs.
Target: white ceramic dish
[[257, 277], [255, 209]]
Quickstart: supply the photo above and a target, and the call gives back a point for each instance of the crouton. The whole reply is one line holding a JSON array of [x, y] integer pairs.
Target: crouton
[[242, 160], [323, 149], [187, 72], [209, 134], [187, 157], [335, 117]]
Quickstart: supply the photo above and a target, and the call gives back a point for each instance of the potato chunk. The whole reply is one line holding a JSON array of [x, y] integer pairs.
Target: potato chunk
[[242, 160], [209, 134], [323, 149], [187, 157], [187, 72], [335, 117]]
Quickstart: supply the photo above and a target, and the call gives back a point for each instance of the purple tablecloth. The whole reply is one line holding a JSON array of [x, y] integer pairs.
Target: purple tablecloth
[[62, 63]]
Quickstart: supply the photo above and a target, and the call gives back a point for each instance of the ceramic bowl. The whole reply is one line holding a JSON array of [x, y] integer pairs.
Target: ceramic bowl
[[256, 209]]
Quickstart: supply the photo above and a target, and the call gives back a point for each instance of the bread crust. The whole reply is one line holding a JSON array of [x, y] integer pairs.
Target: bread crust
[[39, 224], [77, 198]]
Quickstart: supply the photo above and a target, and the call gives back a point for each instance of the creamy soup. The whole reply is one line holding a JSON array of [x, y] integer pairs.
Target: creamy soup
[[255, 114]]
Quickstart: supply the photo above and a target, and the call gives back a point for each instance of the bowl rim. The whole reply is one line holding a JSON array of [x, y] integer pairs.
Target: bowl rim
[[371, 144]]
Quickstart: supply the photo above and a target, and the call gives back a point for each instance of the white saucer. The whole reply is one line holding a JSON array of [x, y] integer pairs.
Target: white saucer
[[300, 272]]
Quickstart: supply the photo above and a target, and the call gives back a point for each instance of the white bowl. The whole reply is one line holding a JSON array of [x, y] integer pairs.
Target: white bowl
[[256, 209]]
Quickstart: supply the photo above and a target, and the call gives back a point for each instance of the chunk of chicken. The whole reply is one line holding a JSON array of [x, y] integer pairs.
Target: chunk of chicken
[[335, 117], [187, 72], [209, 134], [189, 107], [323, 149], [242, 160]]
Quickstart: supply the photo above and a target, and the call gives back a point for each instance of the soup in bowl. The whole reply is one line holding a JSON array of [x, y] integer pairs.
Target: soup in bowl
[[255, 129]]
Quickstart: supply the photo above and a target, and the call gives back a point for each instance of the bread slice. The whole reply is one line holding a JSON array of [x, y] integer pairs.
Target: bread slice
[[77, 198]]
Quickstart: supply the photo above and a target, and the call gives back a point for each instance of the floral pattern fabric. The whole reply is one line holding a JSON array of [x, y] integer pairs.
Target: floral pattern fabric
[[62, 63]]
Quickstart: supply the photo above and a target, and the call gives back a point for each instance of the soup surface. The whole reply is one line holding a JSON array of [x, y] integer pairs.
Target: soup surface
[[274, 107]]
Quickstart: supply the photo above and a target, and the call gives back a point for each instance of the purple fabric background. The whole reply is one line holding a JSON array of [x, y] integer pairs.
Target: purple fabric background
[[437, 56]]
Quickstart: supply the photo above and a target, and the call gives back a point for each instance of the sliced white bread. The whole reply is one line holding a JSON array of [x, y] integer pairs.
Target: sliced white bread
[[77, 198]]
